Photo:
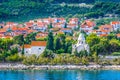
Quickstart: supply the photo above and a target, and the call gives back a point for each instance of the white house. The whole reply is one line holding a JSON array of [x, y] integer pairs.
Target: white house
[[36, 47], [116, 25], [81, 45]]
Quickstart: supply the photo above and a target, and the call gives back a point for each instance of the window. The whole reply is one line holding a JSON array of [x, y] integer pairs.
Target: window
[[26, 51], [39, 48]]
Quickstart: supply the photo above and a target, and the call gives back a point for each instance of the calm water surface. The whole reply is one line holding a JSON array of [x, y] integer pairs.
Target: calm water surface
[[60, 75]]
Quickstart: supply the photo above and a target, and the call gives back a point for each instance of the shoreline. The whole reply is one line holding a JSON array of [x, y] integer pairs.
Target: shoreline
[[57, 67]]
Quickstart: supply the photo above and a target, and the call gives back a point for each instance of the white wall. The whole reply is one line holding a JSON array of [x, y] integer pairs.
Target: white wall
[[27, 51], [116, 27], [37, 50]]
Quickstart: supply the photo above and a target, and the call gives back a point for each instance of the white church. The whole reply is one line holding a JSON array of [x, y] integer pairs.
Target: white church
[[81, 44]]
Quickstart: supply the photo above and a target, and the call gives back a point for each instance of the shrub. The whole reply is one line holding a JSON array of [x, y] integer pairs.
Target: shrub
[[60, 51], [14, 58], [30, 60]]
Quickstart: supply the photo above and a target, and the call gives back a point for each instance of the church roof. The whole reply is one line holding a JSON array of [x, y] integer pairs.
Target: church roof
[[81, 37]]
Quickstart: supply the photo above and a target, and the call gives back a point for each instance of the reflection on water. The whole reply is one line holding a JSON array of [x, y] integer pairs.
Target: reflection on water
[[60, 75]]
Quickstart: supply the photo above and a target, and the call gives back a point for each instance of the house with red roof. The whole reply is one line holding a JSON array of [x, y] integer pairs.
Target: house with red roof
[[73, 21], [104, 30], [118, 35], [116, 25], [29, 25], [61, 20], [3, 31], [40, 27], [47, 21], [58, 25], [53, 20], [87, 26], [22, 30], [57, 20], [11, 24], [36, 48]]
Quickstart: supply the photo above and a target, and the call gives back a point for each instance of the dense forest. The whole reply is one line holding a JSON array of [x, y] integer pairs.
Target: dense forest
[[66, 1], [55, 1], [30, 9]]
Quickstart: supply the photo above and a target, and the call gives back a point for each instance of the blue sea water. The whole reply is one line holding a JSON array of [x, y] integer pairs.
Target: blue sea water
[[60, 75]]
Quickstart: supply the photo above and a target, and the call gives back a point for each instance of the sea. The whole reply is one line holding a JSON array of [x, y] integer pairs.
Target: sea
[[59, 74]]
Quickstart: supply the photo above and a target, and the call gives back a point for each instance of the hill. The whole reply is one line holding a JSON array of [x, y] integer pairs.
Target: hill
[[22, 10]]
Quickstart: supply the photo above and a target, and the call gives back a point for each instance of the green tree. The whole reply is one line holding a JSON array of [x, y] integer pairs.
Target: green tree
[[30, 37], [114, 45], [14, 51], [50, 41], [57, 43], [111, 36], [92, 39], [19, 39]]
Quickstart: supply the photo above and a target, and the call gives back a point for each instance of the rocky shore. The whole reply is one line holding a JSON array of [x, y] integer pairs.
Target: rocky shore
[[9, 66]]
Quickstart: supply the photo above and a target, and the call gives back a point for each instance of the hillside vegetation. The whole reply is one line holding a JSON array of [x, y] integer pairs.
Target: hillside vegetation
[[15, 10]]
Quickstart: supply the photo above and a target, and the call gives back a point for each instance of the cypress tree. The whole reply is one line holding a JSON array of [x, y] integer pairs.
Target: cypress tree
[[57, 44], [50, 41]]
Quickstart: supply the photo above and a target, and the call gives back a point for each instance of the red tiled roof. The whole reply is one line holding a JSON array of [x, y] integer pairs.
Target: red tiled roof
[[2, 30], [115, 22], [38, 43], [21, 29], [29, 24], [61, 18], [118, 35], [14, 28], [104, 35], [88, 23], [73, 19], [27, 46], [10, 23], [30, 31], [106, 28]]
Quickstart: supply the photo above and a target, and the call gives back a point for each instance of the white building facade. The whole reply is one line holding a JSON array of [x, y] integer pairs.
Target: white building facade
[[81, 45], [36, 48]]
